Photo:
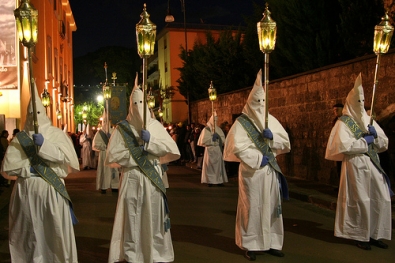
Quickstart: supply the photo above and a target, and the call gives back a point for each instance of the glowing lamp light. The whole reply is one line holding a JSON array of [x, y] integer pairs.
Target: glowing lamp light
[[151, 100], [106, 92], [145, 35], [267, 31], [382, 35], [58, 114], [45, 98], [26, 17], [212, 92]]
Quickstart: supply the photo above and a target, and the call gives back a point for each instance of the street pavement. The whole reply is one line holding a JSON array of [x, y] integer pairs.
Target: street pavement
[[203, 221]]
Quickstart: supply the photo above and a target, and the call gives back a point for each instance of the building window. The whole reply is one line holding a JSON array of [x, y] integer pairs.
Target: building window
[[165, 66], [56, 65], [49, 56]]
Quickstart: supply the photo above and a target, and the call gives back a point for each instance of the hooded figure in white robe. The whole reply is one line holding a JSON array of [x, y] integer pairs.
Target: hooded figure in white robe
[[213, 171], [106, 177], [139, 233], [363, 210], [40, 223], [259, 221], [87, 155]]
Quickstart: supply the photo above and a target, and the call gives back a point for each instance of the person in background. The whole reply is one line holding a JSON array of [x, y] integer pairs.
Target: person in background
[[363, 211], [259, 220], [192, 143], [41, 215], [199, 150], [86, 151], [337, 111], [106, 177], [213, 138], [14, 132], [141, 231], [188, 151]]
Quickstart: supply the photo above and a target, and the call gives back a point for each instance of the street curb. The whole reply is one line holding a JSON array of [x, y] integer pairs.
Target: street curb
[[311, 195], [319, 200]]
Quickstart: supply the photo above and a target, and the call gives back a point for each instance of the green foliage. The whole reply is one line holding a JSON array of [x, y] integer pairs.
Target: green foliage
[[310, 35], [357, 22], [306, 36], [220, 61], [94, 112]]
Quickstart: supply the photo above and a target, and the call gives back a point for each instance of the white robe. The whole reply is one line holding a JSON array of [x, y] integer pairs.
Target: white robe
[[40, 224], [364, 204], [213, 171], [258, 225], [86, 151], [138, 233], [106, 177]]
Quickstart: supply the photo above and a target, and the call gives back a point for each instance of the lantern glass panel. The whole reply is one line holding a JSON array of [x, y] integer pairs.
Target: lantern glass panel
[[106, 92], [267, 36], [151, 101], [382, 39]]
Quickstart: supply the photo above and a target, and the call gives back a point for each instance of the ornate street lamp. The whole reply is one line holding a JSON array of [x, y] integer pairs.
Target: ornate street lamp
[[26, 17], [58, 114], [381, 43], [145, 36], [160, 113], [45, 98], [151, 99], [267, 30], [212, 95]]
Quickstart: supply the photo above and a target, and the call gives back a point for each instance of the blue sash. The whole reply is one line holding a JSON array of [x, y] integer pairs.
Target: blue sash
[[104, 136], [260, 143], [43, 169], [144, 164], [372, 153]]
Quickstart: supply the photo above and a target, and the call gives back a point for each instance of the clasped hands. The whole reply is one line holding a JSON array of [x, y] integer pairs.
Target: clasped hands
[[215, 137], [38, 139], [371, 135], [267, 133]]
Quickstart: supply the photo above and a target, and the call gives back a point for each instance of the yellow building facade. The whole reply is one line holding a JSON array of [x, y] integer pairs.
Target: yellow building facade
[[170, 40], [52, 63]]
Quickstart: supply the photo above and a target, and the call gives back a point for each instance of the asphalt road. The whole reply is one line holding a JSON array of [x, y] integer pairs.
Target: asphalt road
[[203, 225]]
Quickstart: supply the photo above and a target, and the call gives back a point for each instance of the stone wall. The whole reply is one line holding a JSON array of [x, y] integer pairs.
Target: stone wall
[[303, 104]]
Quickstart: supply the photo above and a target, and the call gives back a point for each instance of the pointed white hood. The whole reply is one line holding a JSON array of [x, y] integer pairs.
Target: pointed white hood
[[255, 105], [135, 116], [43, 121], [355, 105]]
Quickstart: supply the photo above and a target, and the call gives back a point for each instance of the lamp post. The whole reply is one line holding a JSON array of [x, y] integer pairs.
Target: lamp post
[[145, 36], [58, 116], [107, 97], [267, 30], [26, 17], [381, 43], [212, 95]]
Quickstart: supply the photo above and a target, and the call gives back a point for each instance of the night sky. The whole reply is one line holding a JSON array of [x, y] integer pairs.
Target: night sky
[[113, 22]]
